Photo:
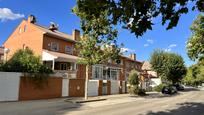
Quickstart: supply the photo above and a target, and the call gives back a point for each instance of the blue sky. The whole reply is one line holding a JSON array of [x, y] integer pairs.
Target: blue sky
[[59, 11]]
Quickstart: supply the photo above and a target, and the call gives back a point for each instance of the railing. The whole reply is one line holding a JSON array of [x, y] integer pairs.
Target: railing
[[66, 73]]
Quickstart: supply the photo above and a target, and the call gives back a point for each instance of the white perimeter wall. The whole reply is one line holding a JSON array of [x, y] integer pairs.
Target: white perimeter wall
[[93, 87], [123, 86], [115, 87], [65, 87], [155, 81], [9, 86]]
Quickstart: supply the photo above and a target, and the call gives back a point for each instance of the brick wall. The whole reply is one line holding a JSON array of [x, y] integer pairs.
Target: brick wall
[[100, 87], [47, 40], [81, 72], [76, 87], [108, 87], [31, 37], [31, 91]]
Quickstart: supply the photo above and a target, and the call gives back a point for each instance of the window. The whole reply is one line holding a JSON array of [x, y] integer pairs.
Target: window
[[69, 49], [121, 62], [104, 73], [76, 66], [108, 74], [97, 72], [20, 30], [73, 66], [114, 73], [1, 57], [63, 66], [54, 46], [25, 28]]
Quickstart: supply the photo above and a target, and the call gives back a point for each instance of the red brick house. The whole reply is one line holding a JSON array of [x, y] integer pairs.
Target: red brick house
[[56, 51]]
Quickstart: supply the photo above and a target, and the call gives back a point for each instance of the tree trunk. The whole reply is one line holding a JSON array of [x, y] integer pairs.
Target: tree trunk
[[86, 82]]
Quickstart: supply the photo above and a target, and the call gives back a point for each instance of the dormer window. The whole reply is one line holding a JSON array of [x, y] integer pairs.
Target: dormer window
[[20, 30], [25, 28], [54, 46], [68, 49]]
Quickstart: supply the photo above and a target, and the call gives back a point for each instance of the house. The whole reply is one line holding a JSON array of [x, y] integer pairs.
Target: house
[[56, 50], [1, 54], [54, 47], [152, 79]]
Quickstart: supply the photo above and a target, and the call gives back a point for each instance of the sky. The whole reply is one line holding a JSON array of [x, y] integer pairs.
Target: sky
[[59, 11]]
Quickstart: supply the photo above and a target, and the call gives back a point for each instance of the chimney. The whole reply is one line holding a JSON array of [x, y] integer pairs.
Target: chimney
[[133, 56], [76, 34], [32, 19], [53, 26]]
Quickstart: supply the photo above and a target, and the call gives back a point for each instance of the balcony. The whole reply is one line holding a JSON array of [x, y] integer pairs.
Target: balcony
[[66, 73]]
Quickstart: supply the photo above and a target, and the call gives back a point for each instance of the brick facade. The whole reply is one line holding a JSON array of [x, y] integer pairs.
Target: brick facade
[[29, 90], [39, 38]]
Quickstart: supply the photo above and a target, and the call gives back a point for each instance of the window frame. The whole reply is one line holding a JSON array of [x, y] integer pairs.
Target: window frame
[[116, 74], [57, 45], [68, 52], [20, 30], [97, 72], [65, 66], [25, 28]]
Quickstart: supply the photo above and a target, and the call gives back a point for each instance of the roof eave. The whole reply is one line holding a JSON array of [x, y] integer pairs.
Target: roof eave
[[50, 34]]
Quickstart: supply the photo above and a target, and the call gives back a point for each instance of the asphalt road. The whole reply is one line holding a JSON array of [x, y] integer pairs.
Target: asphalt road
[[185, 103]]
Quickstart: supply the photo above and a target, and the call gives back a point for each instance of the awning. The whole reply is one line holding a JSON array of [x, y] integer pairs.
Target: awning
[[58, 57]]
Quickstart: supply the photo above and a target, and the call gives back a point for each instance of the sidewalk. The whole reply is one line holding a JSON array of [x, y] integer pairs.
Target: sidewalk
[[96, 98], [111, 97]]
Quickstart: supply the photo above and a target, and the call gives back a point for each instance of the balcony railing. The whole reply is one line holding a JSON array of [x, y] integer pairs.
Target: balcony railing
[[66, 73]]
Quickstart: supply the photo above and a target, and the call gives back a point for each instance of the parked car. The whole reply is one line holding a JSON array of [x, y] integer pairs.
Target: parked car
[[166, 90], [179, 87], [173, 89], [169, 89]]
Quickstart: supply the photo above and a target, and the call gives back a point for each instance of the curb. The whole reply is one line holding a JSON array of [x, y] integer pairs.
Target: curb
[[92, 100], [83, 101]]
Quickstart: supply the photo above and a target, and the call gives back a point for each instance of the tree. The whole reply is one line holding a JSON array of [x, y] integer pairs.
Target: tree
[[98, 44], [176, 69], [133, 80], [195, 44], [195, 75], [169, 66], [195, 51], [100, 19], [134, 15], [158, 61]]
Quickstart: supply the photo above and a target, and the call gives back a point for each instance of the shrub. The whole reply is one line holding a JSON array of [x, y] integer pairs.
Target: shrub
[[25, 61], [133, 78], [141, 92], [159, 87], [133, 90], [133, 81]]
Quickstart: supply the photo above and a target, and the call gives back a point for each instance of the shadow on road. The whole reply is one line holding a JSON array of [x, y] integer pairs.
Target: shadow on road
[[160, 95], [155, 95], [190, 89], [190, 108]]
